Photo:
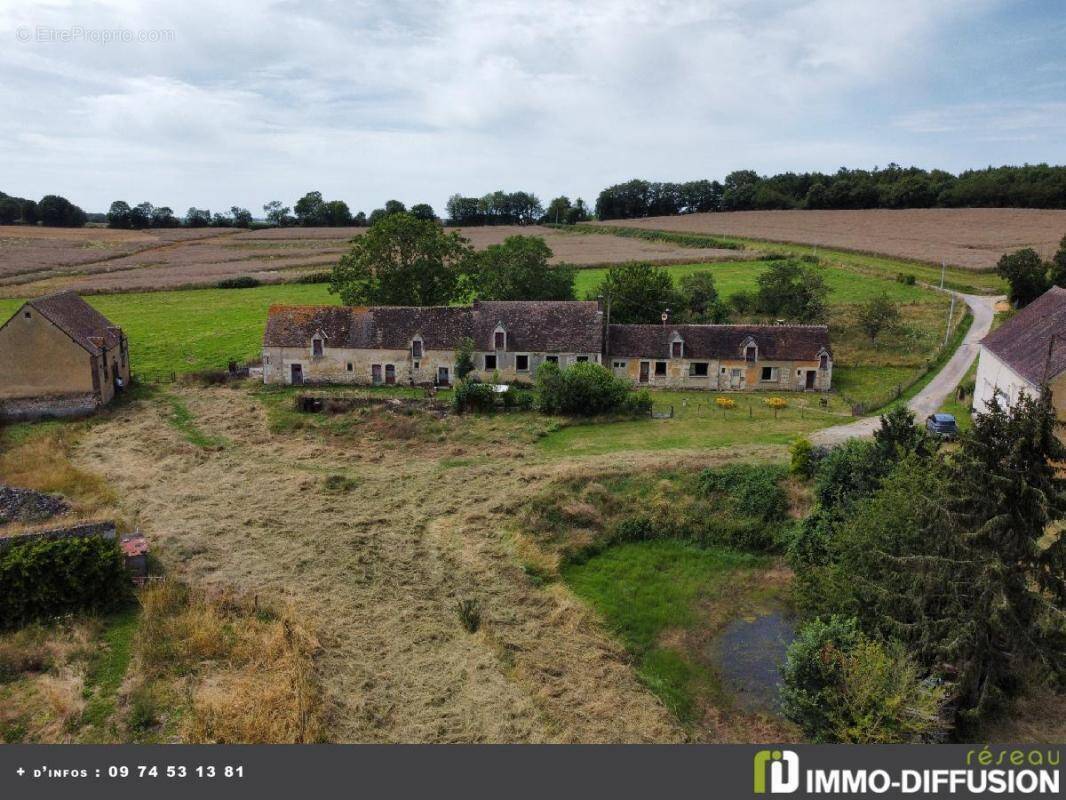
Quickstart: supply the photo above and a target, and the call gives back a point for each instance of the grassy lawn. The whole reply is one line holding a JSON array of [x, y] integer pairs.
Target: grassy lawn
[[697, 422], [644, 590]]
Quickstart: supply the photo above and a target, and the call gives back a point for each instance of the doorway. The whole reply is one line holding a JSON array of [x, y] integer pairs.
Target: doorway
[[390, 374], [297, 374], [811, 375], [645, 369], [736, 378], [375, 374], [443, 378]]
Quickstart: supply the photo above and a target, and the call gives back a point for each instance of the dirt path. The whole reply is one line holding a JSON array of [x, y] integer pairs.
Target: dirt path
[[933, 395], [379, 570]]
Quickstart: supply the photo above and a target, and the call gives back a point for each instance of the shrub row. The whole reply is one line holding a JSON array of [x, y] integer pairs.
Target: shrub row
[[46, 578], [240, 282]]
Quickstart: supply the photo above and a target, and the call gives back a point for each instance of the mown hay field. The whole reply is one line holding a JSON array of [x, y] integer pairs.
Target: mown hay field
[[35, 261], [972, 238]]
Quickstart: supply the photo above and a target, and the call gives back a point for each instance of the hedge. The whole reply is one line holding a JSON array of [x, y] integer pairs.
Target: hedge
[[46, 578]]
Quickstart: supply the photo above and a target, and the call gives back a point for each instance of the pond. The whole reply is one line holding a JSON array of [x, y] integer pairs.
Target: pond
[[748, 655]]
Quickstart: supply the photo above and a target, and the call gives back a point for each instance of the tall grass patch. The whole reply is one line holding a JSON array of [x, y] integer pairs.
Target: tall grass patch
[[249, 674]]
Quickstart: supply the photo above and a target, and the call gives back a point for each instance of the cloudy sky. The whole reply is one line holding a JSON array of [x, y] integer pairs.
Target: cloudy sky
[[239, 102]]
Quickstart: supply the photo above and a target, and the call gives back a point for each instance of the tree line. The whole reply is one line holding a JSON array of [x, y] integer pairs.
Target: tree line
[[51, 210], [1028, 186], [408, 260]]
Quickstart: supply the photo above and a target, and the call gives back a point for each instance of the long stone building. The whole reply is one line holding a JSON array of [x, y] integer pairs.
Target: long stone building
[[59, 356], [410, 345]]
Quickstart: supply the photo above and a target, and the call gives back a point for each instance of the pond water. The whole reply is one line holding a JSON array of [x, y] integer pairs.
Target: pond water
[[748, 655]]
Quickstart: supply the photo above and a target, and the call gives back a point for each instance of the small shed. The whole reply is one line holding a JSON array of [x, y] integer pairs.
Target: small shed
[[135, 550]]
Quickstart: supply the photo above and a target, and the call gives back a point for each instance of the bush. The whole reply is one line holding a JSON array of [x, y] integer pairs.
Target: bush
[[744, 302], [315, 277], [813, 673], [753, 491], [240, 282], [46, 578], [906, 278], [840, 686], [801, 458], [639, 404], [584, 389], [725, 403], [471, 395]]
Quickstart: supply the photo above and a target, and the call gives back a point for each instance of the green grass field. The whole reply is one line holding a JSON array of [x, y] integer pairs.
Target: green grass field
[[699, 423], [644, 589], [731, 277]]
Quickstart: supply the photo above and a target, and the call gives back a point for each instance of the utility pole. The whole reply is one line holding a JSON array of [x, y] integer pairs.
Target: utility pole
[[951, 314], [943, 268]]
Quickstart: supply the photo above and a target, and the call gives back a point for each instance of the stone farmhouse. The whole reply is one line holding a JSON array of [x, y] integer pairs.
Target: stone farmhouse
[[417, 346], [1026, 351], [59, 356]]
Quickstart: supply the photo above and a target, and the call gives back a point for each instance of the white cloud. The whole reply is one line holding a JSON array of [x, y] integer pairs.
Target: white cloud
[[416, 100]]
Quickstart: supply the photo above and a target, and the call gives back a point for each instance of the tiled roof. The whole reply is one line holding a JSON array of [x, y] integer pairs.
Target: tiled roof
[[79, 320], [775, 342], [536, 326], [546, 326], [1022, 341]]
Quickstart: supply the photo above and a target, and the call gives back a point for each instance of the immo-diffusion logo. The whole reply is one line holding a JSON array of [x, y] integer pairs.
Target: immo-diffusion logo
[[783, 769], [1018, 771]]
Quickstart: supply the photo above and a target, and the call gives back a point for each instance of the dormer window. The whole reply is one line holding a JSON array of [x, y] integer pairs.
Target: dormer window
[[317, 346], [823, 361], [416, 348], [751, 351], [499, 339], [677, 348]]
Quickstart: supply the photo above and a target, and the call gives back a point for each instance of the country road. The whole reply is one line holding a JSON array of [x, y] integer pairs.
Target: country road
[[933, 395]]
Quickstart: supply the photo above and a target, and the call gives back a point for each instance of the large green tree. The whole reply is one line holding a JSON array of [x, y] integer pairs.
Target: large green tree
[[638, 293], [518, 269], [58, 212], [402, 260], [1057, 273], [310, 209], [700, 298], [876, 315], [793, 291], [1026, 274]]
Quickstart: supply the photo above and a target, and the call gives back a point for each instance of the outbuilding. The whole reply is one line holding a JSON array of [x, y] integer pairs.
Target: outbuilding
[[59, 357]]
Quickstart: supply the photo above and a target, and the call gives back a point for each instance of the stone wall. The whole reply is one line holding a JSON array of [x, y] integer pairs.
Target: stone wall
[[30, 408]]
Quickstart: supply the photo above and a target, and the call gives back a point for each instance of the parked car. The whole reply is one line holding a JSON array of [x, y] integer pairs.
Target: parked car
[[942, 425]]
